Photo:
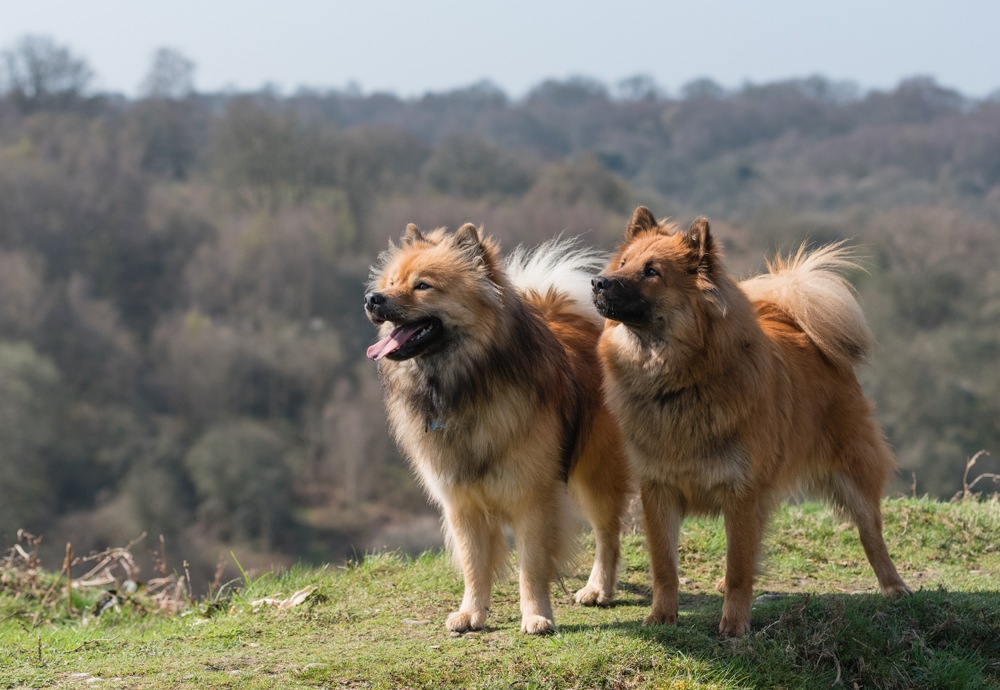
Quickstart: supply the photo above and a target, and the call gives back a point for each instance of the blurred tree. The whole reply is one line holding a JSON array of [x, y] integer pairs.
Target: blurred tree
[[640, 87], [574, 92], [565, 118], [98, 355], [209, 370], [283, 261], [355, 455], [191, 359], [38, 74], [261, 151], [470, 111], [243, 480], [470, 168], [29, 428], [702, 89], [158, 486], [157, 252], [169, 121], [97, 447], [170, 77], [914, 100], [583, 180], [23, 289], [373, 162], [73, 193]]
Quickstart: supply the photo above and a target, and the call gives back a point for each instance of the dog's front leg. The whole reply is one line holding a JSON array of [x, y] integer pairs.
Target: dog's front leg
[[662, 512], [473, 535], [539, 533]]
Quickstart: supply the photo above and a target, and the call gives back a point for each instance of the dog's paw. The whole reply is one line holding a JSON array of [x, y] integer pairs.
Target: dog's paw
[[720, 585], [661, 618], [464, 621], [537, 625], [896, 590], [734, 626], [592, 596]]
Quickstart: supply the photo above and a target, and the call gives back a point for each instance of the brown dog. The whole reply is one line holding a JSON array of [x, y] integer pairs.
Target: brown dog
[[730, 396], [493, 391]]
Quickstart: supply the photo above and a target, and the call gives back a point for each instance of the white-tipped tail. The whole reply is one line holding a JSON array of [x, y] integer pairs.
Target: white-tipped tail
[[811, 288], [562, 265]]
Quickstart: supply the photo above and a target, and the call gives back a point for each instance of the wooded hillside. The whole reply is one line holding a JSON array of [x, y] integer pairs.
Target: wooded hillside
[[181, 332]]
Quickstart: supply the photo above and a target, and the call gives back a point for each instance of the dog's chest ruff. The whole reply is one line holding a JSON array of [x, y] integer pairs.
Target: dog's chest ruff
[[452, 440], [677, 438]]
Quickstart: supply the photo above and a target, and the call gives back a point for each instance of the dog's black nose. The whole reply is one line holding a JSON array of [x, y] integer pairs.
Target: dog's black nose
[[374, 299], [600, 283]]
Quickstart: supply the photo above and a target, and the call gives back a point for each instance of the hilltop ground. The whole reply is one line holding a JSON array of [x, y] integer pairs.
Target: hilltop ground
[[379, 622]]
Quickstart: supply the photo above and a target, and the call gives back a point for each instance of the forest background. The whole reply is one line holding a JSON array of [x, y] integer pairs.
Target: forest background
[[181, 273]]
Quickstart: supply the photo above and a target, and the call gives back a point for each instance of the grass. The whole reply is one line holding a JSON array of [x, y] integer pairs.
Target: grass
[[379, 623]]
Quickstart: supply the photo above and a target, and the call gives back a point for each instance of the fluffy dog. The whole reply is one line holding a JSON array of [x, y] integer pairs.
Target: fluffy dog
[[731, 395], [493, 391]]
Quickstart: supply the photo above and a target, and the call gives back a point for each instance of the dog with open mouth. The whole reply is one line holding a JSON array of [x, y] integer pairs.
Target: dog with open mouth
[[493, 391]]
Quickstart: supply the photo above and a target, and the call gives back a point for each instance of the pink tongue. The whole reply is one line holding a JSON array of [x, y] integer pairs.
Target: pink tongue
[[393, 341]]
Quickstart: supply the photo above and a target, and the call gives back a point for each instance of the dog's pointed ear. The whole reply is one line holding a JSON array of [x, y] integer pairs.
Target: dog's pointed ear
[[481, 250], [467, 237], [701, 244], [412, 234], [705, 260], [642, 220]]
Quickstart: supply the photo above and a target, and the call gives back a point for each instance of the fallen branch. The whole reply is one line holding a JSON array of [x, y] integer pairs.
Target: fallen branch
[[968, 486]]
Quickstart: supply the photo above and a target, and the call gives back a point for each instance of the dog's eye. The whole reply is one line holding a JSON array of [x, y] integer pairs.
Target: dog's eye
[[422, 286], [649, 271]]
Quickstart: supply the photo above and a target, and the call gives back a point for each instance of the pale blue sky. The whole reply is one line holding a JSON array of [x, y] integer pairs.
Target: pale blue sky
[[410, 47]]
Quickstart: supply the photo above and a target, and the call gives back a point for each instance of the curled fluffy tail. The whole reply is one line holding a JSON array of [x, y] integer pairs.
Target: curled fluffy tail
[[810, 287], [560, 266]]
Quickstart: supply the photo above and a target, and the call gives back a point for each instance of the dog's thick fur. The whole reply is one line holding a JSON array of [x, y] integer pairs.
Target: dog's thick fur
[[731, 395], [493, 391]]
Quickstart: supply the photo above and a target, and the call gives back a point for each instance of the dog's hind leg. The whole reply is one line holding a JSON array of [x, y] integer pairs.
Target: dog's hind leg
[[600, 587], [861, 501], [601, 488], [746, 520], [857, 469]]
